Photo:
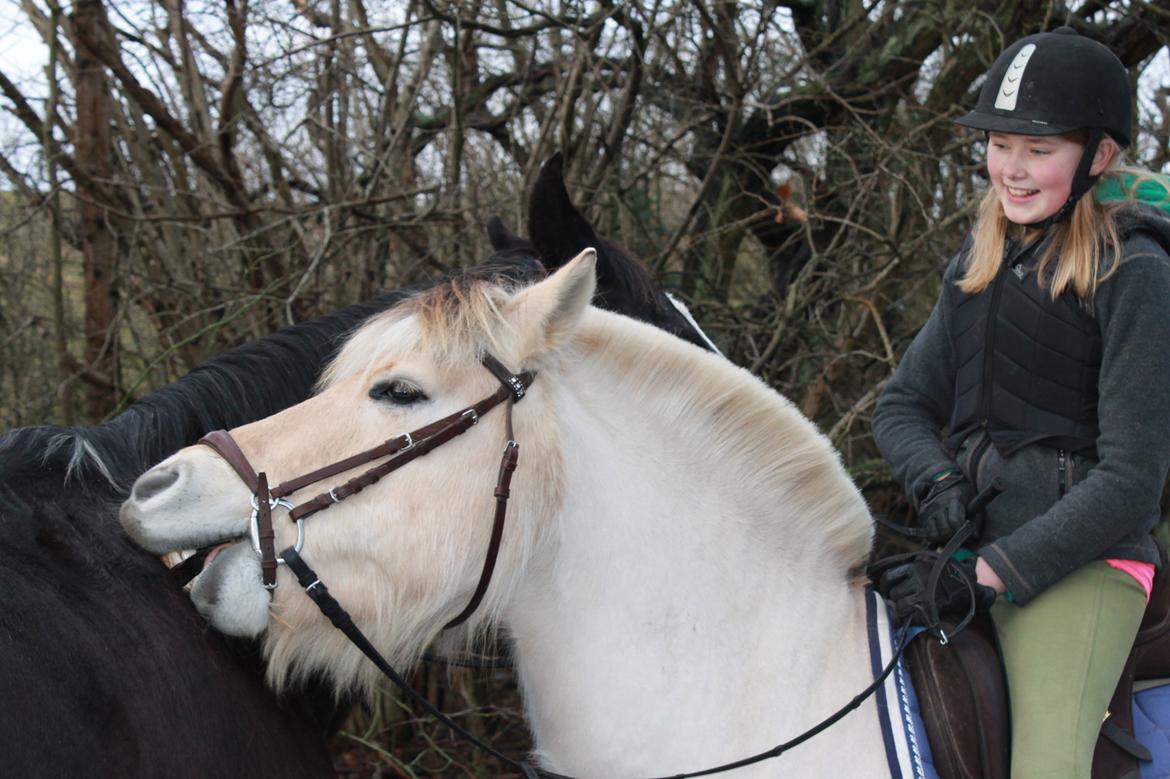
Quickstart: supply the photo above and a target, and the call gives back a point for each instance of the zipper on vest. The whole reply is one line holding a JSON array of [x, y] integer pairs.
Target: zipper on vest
[[1061, 472], [989, 343], [1010, 253]]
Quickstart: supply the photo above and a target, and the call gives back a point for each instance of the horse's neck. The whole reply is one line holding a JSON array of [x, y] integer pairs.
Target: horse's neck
[[669, 605]]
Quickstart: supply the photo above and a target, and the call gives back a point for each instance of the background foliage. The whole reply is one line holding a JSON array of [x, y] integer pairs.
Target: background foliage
[[183, 176]]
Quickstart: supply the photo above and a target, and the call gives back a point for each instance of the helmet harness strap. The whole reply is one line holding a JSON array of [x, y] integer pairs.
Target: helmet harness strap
[[1082, 181]]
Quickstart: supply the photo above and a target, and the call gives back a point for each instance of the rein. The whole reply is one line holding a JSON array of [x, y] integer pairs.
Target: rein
[[341, 620], [970, 529], [401, 450]]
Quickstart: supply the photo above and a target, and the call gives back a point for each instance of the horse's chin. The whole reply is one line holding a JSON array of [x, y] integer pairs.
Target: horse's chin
[[229, 593]]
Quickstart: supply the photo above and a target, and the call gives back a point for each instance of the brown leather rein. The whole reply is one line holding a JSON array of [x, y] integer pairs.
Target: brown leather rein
[[400, 450]]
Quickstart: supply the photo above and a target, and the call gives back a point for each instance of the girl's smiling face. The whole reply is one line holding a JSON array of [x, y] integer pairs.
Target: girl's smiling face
[[1032, 174]]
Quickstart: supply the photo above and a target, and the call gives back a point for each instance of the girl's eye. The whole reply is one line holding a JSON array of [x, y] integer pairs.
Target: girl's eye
[[398, 392]]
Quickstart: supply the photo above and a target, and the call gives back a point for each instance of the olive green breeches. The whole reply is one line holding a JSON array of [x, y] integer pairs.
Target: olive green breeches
[[1063, 653]]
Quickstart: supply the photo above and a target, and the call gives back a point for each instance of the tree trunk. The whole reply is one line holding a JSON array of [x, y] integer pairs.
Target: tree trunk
[[99, 244]]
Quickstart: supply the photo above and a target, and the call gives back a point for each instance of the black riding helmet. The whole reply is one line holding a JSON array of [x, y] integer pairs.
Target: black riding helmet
[[1053, 83]]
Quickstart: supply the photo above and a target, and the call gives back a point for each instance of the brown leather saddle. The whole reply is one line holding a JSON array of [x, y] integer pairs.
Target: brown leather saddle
[[963, 697]]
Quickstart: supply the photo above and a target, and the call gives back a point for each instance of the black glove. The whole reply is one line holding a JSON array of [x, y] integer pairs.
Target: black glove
[[907, 587], [943, 509]]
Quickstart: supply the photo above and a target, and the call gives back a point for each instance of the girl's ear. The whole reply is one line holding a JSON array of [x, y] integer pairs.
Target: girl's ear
[[1107, 151], [546, 314]]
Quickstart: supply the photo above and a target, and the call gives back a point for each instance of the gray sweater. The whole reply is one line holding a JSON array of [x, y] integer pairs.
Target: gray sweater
[[1059, 511]]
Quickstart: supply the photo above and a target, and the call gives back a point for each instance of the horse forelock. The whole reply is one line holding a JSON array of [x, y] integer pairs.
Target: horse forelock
[[452, 323]]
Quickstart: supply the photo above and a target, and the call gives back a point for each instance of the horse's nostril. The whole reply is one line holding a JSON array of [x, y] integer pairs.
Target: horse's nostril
[[154, 482]]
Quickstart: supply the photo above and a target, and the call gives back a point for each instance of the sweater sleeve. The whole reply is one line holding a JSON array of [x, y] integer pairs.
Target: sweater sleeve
[[1121, 493], [916, 404]]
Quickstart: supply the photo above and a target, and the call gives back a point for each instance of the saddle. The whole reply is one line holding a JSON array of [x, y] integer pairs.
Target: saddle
[[963, 696]]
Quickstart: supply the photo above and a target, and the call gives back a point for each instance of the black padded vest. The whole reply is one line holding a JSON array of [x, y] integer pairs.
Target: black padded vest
[[1027, 365]]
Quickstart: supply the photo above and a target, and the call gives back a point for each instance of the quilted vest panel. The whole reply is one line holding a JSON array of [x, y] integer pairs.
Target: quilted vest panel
[[1027, 365]]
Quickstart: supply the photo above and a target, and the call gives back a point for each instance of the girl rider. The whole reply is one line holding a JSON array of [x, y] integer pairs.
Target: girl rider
[[1046, 362]]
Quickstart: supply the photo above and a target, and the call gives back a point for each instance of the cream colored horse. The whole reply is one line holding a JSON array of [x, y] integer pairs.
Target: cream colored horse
[[679, 572]]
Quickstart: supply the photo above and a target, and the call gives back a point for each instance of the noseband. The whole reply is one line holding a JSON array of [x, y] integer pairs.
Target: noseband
[[399, 450]]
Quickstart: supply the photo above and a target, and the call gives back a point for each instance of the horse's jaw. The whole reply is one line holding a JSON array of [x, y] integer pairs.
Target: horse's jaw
[[229, 595]]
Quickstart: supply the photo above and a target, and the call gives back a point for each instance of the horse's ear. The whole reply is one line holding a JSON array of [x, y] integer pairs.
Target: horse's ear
[[555, 226], [503, 239], [546, 314]]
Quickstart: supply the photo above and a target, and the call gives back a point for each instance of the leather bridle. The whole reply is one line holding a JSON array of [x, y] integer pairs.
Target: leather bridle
[[394, 453]]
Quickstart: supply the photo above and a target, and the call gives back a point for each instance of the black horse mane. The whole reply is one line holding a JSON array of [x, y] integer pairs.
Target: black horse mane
[[240, 385]]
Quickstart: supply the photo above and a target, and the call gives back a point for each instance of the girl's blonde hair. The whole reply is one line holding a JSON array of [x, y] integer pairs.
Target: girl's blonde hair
[[1074, 258], [1085, 249]]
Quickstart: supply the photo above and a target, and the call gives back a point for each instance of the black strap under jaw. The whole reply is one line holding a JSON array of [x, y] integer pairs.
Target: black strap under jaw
[[1082, 182], [341, 620]]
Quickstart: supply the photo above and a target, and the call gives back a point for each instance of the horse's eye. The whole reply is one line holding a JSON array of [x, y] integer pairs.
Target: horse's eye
[[398, 392]]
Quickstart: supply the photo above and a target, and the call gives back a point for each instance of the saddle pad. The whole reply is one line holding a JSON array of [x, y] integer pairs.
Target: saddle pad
[[1151, 713], [907, 749]]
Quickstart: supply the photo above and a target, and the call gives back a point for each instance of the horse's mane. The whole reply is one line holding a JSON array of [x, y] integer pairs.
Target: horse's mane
[[245, 383], [788, 457]]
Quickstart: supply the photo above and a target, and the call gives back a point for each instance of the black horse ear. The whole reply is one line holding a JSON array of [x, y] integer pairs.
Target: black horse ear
[[555, 226], [503, 239]]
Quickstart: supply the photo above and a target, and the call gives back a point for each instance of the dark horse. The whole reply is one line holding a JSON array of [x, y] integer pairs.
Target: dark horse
[[108, 670], [558, 232]]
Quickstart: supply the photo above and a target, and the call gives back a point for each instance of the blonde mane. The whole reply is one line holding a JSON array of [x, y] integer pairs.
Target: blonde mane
[[732, 416]]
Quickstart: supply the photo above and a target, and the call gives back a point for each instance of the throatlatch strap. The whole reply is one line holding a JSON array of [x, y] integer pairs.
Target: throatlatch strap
[[503, 491]]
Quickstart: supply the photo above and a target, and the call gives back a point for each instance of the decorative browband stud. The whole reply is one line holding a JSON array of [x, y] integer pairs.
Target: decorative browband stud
[[517, 387], [515, 384]]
